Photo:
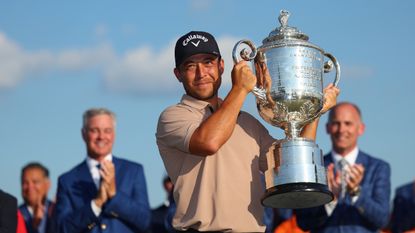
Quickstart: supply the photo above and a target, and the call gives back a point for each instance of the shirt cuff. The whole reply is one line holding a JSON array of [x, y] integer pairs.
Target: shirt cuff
[[330, 207], [97, 210], [354, 199]]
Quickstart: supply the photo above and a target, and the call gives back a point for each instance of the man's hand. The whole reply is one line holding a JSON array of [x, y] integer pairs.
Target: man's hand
[[334, 181], [330, 97], [38, 212], [355, 176], [108, 178], [243, 77], [102, 196]]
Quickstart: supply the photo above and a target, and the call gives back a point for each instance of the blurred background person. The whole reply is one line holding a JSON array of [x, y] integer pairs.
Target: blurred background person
[[403, 213], [36, 209], [8, 213], [159, 214], [103, 193], [21, 225], [360, 182]]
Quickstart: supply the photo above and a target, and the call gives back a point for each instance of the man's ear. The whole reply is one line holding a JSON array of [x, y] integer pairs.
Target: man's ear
[[177, 74], [362, 128], [221, 66]]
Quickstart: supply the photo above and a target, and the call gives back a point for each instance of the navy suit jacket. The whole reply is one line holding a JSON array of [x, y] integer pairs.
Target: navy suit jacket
[[403, 214], [128, 211], [28, 218], [368, 214], [8, 213]]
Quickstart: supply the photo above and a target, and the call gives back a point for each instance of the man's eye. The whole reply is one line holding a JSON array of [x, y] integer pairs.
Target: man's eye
[[190, 66], [209, 62], [108, 130]]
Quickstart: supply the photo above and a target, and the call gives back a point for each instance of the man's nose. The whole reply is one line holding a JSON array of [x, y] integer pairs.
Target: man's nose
[[100, 134], [200, 69], [342, 127]]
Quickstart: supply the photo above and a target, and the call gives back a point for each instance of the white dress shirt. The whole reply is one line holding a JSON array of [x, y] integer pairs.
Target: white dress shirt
[[96, 177]]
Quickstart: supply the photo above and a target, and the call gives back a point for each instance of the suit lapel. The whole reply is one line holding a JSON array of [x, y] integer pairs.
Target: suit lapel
[[118, 171], [25, 212], [85, 185], [328, 159], [362, 159]]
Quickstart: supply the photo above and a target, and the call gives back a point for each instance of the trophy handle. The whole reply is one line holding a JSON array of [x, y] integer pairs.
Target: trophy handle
[[248, 54], [328, 66]]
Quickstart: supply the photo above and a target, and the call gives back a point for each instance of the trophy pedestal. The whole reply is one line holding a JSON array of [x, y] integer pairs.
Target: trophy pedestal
[[297, 195], [299, 176]]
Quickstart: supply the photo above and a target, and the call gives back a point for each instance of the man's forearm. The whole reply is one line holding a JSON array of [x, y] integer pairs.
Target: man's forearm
[[217, 129], [310, 130]]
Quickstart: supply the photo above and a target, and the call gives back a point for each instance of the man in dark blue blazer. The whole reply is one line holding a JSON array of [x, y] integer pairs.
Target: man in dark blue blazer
[[403, 214], [8, 213], [361, 204], [36, 208], [103, 193]]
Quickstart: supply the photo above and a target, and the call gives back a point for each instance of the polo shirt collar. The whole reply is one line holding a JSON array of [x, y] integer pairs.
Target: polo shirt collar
[[197, 104]]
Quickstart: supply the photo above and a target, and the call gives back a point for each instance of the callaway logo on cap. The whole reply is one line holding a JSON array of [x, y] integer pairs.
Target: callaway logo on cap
[[195, 42]]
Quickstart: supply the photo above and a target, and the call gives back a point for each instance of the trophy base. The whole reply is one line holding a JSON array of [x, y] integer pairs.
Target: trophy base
[[297, 195]]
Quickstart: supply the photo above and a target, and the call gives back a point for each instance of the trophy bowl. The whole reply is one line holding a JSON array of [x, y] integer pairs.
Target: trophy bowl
[[289, 95]]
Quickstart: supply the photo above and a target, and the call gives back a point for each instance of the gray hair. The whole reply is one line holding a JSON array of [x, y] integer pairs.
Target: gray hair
[[88, 114]]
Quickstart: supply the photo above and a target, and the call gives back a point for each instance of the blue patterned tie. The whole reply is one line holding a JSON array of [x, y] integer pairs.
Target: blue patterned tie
[[342, 165]]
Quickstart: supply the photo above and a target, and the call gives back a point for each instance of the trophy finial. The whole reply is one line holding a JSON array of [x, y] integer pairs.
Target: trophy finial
[[283, 18]]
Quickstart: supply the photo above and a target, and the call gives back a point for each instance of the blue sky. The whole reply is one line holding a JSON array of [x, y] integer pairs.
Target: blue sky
[[59, 58]]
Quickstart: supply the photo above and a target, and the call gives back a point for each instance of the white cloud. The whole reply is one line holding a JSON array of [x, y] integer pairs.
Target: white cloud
[[85, 58], [17, 64], [141, 70], [200, 5], [101, 31]]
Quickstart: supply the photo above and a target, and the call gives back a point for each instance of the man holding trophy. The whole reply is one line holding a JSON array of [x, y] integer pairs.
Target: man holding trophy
[[214, 152]]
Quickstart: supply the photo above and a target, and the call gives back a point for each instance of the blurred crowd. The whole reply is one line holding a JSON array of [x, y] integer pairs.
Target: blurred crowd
[[90, 196]]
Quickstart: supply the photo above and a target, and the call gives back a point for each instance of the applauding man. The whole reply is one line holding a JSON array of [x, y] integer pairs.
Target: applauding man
[[103, 193]]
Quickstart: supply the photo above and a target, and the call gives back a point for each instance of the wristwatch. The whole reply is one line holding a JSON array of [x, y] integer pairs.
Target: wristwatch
[[355, 191]]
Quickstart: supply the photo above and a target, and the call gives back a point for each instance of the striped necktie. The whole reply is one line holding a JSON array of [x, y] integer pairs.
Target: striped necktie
[[343, 168], [99, 168]]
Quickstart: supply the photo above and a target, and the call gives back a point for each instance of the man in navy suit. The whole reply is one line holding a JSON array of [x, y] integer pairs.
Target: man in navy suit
[[403, 214], [361, 201], [103, 193], [8, 213], [158, 219], [36, 208]]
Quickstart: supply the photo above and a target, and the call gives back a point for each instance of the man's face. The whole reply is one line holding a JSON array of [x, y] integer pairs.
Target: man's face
[[35, 186], [99, 135], [344, 128], [200, 75]]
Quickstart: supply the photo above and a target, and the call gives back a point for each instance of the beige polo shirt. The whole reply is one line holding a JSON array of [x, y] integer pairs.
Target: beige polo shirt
[[220, 192]]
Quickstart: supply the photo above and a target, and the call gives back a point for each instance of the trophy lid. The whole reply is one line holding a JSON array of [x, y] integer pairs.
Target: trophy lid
[[284, 32]]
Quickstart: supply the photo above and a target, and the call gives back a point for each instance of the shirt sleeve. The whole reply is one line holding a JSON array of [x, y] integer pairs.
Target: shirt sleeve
[[176, 126], [97, 210]]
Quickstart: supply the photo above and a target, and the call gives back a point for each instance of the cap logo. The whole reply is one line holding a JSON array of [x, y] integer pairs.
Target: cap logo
[[195, 44], [194, 37]]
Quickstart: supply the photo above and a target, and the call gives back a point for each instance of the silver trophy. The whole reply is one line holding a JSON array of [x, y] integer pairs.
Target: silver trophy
[[289, 95]]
